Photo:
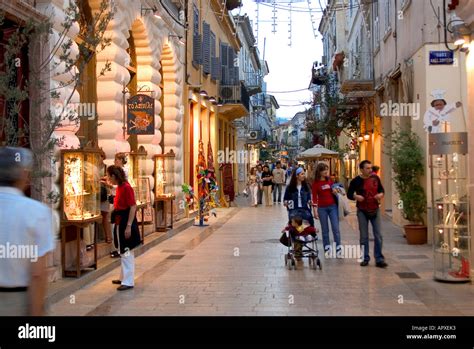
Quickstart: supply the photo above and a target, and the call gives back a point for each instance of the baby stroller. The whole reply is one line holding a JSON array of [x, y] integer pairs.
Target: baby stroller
[[301, 243]]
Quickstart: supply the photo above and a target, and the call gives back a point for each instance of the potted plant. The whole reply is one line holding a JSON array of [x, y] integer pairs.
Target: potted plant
[[407, 163]]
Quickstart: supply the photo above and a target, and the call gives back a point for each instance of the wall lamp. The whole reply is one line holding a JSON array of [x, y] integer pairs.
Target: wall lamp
[[366, 137], [212, 100], [154, 10], [203, 93]]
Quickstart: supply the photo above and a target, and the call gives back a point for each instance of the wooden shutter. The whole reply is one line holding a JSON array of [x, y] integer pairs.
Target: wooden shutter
[[214, 60], [206, 48], [197, 49]]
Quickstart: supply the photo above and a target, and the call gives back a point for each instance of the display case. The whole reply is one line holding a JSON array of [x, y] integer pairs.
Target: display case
[[80, 185], [164, 175], [80, 207], [136, 169], [164, 190], [450, 202]]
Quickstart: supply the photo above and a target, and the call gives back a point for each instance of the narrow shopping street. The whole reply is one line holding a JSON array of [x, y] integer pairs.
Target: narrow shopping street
[[235, 266]]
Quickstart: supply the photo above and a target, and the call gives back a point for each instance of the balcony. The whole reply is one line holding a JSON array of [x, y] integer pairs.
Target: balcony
[[235, 100], [253, 83], [356, 76]]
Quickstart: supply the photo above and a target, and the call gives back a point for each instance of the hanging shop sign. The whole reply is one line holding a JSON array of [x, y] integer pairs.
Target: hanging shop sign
[[140, 115], [441, 57]]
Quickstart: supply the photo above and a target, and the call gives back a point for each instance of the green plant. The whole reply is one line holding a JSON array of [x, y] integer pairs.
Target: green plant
[[407, 163]]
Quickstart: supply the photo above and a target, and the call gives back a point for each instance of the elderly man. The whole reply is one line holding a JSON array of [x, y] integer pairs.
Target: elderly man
[[26, 237]]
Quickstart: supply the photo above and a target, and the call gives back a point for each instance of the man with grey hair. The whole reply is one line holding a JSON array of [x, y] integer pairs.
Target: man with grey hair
[[26, 237]]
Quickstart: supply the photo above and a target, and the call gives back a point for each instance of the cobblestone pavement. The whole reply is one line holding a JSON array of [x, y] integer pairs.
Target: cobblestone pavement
[[235, 267]]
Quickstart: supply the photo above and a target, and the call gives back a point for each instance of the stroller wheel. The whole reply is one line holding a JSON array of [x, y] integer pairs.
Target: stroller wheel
[[312, 262], [318, 262], [293, 262]]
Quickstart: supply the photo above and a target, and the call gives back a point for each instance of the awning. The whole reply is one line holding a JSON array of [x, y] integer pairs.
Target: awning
[[317, 152]]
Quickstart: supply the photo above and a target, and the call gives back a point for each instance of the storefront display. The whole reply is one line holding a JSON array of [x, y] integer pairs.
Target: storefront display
[[164, 175], [136, 169], [80, 185], [451, 235], [164, 190], [80, 201]]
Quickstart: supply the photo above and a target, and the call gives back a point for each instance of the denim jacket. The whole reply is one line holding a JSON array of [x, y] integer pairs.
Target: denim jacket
[[293, 197]]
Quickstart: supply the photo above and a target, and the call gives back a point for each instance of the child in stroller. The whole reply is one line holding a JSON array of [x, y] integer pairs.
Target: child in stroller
[[300, 234]]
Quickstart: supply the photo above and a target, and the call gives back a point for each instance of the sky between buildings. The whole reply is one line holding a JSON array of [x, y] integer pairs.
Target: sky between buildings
[[290, 66]]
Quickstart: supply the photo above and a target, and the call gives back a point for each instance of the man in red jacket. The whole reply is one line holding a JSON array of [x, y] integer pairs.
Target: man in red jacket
[[368, 191]]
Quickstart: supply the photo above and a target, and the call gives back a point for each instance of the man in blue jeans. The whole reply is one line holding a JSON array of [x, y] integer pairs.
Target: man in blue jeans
[[368, 191]]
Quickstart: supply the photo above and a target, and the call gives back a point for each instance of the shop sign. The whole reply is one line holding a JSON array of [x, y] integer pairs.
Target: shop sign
[[140, 115], [448, 143], [441, 57]]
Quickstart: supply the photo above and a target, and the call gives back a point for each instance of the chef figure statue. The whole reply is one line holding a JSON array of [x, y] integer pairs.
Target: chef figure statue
[[436, 117]]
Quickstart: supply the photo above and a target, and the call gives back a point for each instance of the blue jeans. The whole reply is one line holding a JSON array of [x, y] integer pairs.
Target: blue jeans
[[364, 219], [331, 213], [278, 187]]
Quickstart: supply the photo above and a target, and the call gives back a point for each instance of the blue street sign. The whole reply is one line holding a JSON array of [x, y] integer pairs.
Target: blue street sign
[[441, 57]]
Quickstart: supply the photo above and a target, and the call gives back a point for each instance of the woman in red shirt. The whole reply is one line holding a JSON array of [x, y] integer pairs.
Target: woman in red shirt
[[325, 207], [126, 233]]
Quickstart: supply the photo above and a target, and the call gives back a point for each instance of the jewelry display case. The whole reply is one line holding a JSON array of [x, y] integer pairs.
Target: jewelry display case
[[164, 175], [80, 185], [136, 168], [450, 202], [164, 190], [80, 208]]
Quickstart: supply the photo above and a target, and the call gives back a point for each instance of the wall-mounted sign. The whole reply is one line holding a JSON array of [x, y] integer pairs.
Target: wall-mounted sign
[[441, 57], [448, 143], [140, 115]]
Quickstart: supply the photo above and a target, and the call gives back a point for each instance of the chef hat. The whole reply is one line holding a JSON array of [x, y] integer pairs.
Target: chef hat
[[438, 94]]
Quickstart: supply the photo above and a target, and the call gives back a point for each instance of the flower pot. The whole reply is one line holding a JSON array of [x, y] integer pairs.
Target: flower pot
[[416, 234]]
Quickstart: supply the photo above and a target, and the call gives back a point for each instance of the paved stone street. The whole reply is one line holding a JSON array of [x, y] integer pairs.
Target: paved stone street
[[235, 267]]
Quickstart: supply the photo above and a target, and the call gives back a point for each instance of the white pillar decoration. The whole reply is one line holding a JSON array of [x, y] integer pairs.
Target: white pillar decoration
[[67, 131], [150, 36]]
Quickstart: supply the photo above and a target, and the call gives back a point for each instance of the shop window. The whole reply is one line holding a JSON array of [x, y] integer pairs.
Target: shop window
[[87, 86]]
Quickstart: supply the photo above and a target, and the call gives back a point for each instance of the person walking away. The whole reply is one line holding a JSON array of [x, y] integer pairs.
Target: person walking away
[[127, 235], [29, 226], [279, 180], [297, 199], [325, 207], [367, 190], [260, 184], [253, 186], [267, 179]]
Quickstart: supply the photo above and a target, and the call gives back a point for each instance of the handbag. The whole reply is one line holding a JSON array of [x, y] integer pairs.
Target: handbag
[[284, 239]]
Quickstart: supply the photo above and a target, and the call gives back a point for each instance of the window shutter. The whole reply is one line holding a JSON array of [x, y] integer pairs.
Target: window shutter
[[197, 54], [206, 48], [214, 64], [224, 54]]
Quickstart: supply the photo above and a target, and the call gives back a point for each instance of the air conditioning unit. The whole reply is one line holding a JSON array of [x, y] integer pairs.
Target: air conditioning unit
[[253, 134], [228, 92]]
